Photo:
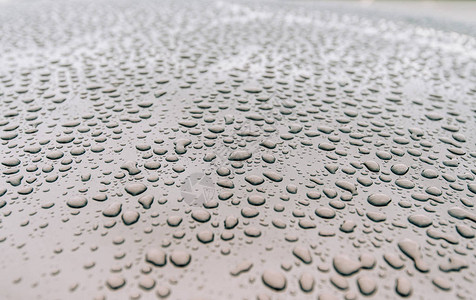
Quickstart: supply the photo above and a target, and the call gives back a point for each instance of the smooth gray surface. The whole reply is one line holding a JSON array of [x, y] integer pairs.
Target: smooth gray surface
[[327, 105]]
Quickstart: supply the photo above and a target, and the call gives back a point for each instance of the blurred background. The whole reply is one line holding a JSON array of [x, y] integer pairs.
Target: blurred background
[[457, 16], [451, 10]]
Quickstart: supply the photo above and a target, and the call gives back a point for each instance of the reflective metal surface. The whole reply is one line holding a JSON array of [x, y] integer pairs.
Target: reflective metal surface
[[234, 150]]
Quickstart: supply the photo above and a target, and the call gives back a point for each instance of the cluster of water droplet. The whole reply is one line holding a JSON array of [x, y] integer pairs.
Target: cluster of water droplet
[[339, 150]]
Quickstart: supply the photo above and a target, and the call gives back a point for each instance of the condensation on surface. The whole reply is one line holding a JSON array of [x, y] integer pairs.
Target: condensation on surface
[[240, 150]]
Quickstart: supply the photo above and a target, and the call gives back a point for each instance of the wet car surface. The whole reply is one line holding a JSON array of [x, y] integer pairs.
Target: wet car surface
[[234, 150]]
